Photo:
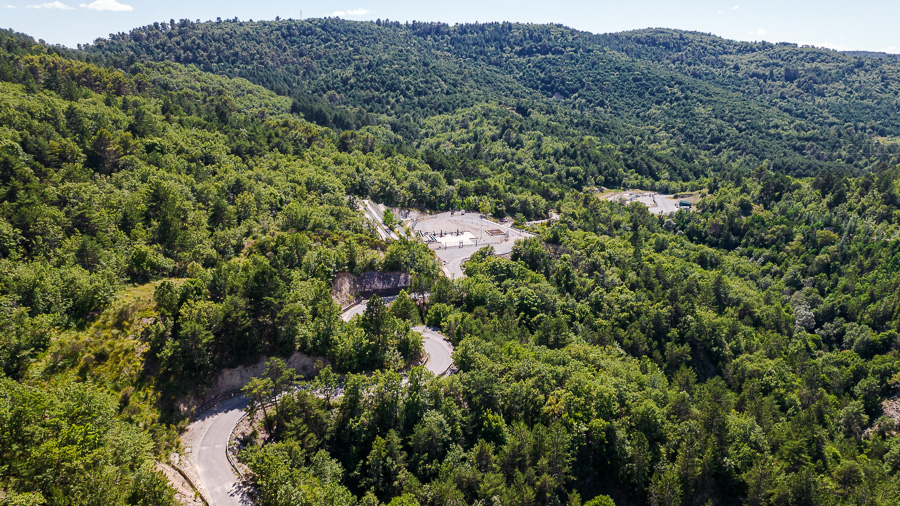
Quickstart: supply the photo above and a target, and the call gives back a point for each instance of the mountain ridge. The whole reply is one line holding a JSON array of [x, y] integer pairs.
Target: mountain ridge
[[625, 84]]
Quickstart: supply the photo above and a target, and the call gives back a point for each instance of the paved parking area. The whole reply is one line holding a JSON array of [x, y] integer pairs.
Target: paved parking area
[[445, 231]]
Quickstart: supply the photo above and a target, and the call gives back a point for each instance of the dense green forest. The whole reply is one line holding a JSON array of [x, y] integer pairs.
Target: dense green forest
[[677, 105], [178, 200]]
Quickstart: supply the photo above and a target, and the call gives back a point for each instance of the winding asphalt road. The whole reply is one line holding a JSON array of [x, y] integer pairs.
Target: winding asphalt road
[[223, 486], [438, 349], [360, 308]]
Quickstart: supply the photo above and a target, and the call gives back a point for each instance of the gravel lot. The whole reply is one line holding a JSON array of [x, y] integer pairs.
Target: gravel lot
[[656, 203]]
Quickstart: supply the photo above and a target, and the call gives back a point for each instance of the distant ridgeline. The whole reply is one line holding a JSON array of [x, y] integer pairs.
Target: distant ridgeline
[[569, 106]]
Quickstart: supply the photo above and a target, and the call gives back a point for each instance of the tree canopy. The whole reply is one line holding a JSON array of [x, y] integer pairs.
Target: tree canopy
[[179, 200]]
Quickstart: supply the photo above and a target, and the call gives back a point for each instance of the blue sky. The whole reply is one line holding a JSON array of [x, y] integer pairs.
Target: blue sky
[[860, 24]]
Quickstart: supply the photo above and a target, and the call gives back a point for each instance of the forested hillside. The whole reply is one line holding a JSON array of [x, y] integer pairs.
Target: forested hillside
[[678, 105], [179, 199], [156, 227]]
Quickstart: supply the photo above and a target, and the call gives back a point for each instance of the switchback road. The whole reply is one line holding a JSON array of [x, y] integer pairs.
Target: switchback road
[[438, 350], [222, 486]]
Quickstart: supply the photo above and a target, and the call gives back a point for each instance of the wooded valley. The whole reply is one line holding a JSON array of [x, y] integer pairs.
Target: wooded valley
[[179, 199]]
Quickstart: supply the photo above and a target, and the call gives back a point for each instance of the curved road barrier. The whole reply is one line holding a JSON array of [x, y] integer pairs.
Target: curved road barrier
[[190, 482], [231, 461]]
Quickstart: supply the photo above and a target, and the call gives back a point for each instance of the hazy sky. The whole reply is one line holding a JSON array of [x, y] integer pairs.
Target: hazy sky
[[847, 24]]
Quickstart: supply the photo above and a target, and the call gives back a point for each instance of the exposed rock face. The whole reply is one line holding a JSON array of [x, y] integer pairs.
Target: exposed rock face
[[232, 379], [891, 407], [382, 283], [344, 289], [347, 287]]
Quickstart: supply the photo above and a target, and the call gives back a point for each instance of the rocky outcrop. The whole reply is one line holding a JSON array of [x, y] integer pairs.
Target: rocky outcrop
[[346, 287], [229, 380], [382, 283]]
